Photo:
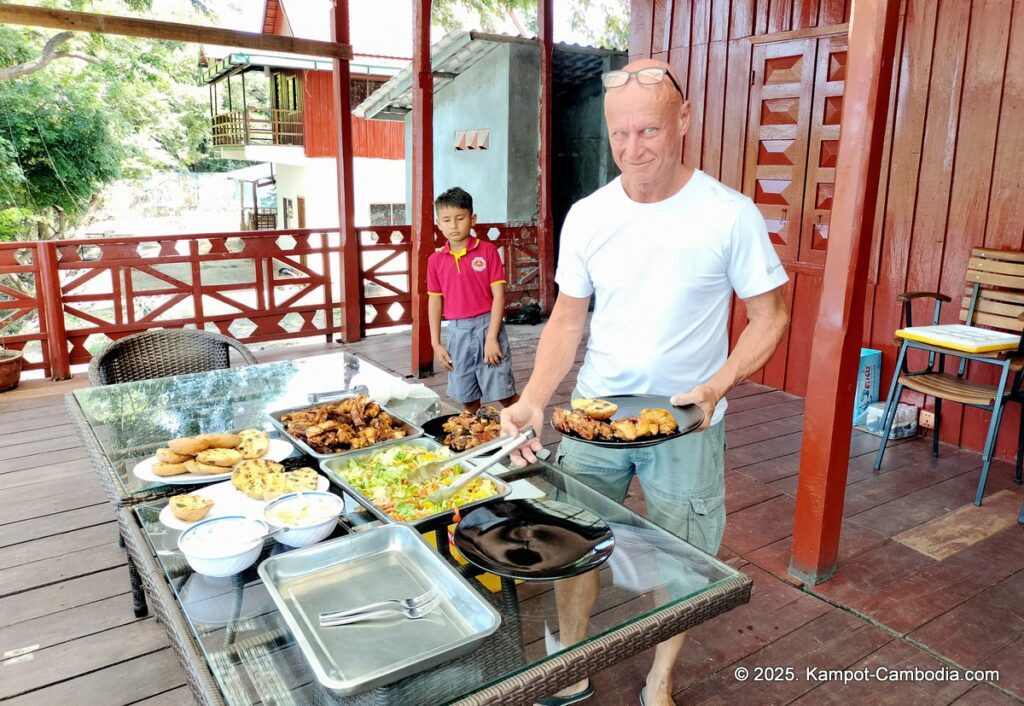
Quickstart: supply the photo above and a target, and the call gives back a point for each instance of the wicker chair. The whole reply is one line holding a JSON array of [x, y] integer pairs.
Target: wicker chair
[[143, 356], [164, 352]]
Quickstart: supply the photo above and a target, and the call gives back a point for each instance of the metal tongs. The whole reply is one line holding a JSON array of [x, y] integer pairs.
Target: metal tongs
[[504, 444]]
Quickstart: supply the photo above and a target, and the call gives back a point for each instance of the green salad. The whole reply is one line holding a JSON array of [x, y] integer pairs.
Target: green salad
[[384, 479]]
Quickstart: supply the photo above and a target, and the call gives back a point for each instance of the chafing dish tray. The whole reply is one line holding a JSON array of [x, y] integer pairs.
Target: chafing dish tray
[[386, 562], [411, 432], [332, 467]]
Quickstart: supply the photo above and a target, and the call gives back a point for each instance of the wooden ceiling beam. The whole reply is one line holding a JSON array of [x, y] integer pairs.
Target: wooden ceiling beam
[[156, 29]]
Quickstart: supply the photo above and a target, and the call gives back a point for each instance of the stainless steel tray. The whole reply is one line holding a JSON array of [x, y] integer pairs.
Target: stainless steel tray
[[377, 564], [330, 467], [412, 431]]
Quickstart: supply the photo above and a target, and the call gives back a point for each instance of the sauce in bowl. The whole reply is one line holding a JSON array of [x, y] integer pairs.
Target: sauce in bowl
[[302, 510], [221, 536]]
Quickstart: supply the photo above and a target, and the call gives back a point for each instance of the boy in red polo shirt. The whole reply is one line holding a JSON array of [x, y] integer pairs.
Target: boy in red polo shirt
[[466, 282]]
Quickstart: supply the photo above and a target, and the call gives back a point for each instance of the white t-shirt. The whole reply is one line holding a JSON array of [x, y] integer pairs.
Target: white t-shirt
[[663, 274]]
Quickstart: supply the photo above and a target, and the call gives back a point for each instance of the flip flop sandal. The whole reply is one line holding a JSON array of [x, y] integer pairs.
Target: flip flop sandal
[[568, 699]]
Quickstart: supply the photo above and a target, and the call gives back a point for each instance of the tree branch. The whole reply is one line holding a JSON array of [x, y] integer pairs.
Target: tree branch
[[48, 54]]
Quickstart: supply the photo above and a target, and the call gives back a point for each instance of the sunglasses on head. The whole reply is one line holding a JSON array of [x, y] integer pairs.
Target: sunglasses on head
[[645, 77]]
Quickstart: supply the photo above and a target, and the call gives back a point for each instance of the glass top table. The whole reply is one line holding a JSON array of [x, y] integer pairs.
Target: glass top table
[[237, 649], [235, 646], [123, 424]]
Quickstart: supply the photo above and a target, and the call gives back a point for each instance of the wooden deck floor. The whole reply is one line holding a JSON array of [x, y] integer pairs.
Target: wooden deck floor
[[926, 579]]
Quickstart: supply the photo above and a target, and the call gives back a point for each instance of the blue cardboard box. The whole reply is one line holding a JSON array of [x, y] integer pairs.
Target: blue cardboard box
[[867, 383]]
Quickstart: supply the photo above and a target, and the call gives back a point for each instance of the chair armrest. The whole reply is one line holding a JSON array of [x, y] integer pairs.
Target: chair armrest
[[908, 297]]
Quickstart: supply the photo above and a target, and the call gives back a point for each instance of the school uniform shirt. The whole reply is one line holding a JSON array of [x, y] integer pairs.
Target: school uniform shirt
[[464, 278], [663, 275]]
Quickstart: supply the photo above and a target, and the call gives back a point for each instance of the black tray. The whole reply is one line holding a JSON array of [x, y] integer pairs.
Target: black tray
[[688, 417], [434, 428], [534, 539]]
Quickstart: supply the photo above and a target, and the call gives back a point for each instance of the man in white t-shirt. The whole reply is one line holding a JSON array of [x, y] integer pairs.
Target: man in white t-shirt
[[661, 249]]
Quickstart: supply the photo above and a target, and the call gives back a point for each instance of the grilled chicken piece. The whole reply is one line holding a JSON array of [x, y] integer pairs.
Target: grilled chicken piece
[[662, 418]]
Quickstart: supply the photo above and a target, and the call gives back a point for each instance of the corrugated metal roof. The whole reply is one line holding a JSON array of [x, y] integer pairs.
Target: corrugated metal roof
[[458, 51], [235, 62]]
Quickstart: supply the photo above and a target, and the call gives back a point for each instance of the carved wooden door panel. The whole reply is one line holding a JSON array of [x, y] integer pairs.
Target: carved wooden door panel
[[782, 83], [823, 148]]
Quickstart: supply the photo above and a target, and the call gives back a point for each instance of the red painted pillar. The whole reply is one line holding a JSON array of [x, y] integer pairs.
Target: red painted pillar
[[824, 456], [51, 302], [351, 281], [422, 186], [545, 221]]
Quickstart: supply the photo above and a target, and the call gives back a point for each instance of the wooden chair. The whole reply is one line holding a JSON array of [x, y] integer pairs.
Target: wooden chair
[[993, 304], [162, 353]]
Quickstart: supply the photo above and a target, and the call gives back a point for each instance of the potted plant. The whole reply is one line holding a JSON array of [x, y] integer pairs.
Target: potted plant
[[10, 366]]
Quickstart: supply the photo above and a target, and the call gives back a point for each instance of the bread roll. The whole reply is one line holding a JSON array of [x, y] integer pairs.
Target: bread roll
[[253, 476], [225, 458], [167, 456], [190, 508], [188, 445], [596, 409], [204, 469], [221, 441], [169, 469], [255, 443]]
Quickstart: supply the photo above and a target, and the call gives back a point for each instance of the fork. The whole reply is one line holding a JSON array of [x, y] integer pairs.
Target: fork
[[393, 604], [420, 611]]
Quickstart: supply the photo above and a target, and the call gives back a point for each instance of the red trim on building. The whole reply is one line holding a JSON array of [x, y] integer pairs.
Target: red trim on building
[[378, 139]]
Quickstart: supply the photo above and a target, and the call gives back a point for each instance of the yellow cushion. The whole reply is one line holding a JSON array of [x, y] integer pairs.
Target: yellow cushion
[[969, 339]]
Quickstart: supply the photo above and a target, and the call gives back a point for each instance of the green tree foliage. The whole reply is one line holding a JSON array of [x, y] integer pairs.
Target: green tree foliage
[[62, 139], [604, 22], [71, 127]]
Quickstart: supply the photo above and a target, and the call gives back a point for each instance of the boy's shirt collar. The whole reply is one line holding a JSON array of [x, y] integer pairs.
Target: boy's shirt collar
[[471, 244]]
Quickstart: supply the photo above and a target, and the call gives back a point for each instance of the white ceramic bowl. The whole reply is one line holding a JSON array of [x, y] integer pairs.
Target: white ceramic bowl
[[302, 533], [223, 546]]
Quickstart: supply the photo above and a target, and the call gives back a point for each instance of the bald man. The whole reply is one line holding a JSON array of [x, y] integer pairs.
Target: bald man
[[662, 248]]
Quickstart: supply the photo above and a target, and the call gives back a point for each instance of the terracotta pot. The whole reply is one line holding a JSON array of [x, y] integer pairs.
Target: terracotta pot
[[10, 369]]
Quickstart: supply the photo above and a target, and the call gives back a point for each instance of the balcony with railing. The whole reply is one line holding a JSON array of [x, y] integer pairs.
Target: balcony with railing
[[257, 126]]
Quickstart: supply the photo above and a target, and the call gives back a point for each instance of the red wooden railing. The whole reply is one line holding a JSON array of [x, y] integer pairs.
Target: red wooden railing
[[385, 267], [71, 296]]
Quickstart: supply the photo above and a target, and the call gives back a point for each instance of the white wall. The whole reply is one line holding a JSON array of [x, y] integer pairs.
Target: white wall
[[374, 181]]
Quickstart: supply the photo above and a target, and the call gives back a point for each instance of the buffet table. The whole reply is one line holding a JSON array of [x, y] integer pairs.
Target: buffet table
[[232, 641]]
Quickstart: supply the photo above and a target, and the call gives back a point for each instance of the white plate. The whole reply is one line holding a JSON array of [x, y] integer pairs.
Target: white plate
[[279, 450], [227, 500]]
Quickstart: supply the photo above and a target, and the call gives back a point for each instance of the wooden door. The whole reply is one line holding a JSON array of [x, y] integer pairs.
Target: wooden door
[[782, 79]]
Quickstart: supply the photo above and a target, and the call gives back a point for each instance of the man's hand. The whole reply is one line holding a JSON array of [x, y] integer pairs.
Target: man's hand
[[705, 397], [492, 351], [516, 417], [443, 357]]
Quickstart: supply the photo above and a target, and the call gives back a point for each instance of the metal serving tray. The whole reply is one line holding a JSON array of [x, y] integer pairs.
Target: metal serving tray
[[330, 466], [411, 431], [378, 564]]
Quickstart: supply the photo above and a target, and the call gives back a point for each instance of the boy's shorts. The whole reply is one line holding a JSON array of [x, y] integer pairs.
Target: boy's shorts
[[472, 379]]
